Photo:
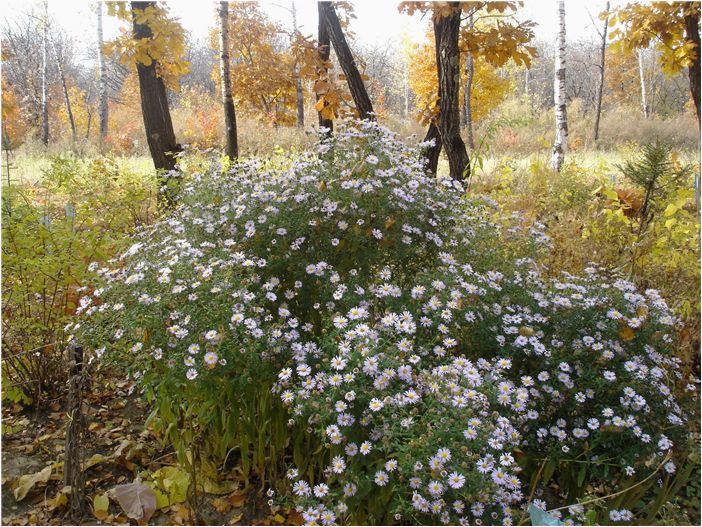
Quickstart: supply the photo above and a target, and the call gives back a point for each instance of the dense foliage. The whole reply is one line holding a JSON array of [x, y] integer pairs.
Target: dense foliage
[[415, 357], [81, 212]]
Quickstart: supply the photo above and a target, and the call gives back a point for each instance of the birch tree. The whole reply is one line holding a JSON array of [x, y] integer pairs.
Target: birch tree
[[672, 28], [559, 88], [299, 94], [44, 77], [102, 76], [226, 84], [298, 78], [642, 83]]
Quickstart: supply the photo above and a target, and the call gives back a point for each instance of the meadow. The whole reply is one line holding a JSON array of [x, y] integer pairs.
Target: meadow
[[451, 279]]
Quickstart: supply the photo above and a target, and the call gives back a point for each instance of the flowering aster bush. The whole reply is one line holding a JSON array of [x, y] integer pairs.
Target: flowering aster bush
[[350, 299]]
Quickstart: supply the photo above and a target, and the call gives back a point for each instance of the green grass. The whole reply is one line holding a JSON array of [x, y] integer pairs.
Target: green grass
[[28, 168]]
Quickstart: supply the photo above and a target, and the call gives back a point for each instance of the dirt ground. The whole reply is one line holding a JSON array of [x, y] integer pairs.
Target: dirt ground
[[118, 450]]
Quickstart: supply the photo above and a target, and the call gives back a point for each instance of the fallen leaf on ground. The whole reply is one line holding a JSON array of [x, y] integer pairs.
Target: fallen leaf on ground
[[237, 500], [26, 482], [211, 486], [295, 518], [136, 499], [174, 481], [94, 460], [101, 504], [60, 499], [222, 505]]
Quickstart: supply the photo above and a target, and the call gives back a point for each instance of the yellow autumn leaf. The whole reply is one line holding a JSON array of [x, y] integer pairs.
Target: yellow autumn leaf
[[626, 333]]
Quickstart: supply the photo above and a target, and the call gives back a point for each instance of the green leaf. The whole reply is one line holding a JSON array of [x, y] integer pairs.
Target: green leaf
[[581, 474], [541, 517], [670, 210], [549, 469]]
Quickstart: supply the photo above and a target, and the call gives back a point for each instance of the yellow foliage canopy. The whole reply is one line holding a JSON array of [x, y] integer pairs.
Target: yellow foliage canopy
[[166, 47], [661, 24], [487, 91], [326, 85], [83, 111], [262, 71], [493, 36], [13, 125]]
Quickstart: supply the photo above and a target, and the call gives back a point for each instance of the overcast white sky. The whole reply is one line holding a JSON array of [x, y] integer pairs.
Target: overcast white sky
[[377, 21]]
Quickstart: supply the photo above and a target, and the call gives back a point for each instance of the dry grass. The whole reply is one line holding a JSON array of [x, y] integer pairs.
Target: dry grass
[[511, 130]]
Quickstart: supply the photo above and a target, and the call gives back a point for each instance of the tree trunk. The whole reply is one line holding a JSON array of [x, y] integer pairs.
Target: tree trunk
[[406, 90], [692, 34], [467, 95], [64, 85], [300, 101], [88, 124], [467, 114], [446, 29], [225, 83], [642, 81], [324, 49], [298, 80], [347, 62], [559, 85], [464, 105], [431, 153], [526, 83], [154, 107], [600, 85], [44, 79], [102, 77]]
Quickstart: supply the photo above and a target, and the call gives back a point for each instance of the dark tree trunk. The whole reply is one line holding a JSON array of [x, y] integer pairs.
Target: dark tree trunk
[[692, 34], [88, 124], [600, 85], [154, 104], [446, 29], [64, 85], [225, 82], [431, 154], [323, 45], [347, 62]]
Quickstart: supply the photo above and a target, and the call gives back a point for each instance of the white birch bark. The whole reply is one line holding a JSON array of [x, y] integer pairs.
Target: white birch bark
[[561, 143], [298, 79], [642, 80], [44, 78], [102, 76]]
